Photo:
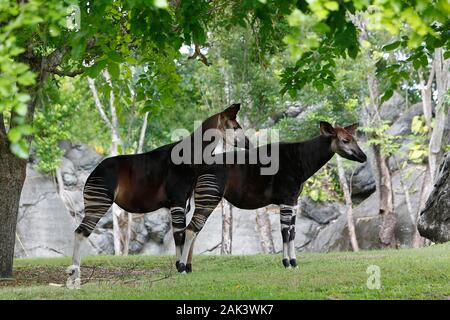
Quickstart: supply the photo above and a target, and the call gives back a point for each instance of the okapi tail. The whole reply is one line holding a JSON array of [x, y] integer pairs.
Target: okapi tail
[[98, 197]]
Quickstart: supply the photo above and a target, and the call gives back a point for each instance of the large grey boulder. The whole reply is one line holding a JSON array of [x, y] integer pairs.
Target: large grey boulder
[[44, 227], [402, 124], [320, 212], [361, 179], [434, 221], [334, 236], [392, 108], [83, 157]]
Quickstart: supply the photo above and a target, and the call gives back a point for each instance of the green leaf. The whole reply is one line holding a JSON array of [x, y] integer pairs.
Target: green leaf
[[21, 109], [96, 68], [387, 95], [14, 134], [20, 149], [392, 46], [114, 56], [114, 70]]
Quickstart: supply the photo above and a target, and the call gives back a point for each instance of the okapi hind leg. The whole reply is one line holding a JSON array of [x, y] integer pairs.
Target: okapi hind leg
[[189, 259], [98, 198], [74, 279]]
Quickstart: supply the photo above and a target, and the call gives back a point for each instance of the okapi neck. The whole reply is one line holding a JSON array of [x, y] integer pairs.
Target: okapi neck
[[313, 155]]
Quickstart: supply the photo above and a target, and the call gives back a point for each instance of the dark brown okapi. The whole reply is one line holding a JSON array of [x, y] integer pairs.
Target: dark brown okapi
[[149, 181], [245, 187]]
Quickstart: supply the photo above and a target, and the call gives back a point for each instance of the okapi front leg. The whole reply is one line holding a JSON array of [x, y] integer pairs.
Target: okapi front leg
[[178, 229], [207, 196], [287, 219]]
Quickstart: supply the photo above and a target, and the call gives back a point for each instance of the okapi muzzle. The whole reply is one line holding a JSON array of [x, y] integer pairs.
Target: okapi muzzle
[[343, 142]]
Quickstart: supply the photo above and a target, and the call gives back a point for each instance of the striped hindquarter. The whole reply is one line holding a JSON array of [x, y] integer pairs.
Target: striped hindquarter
[[98, 198]]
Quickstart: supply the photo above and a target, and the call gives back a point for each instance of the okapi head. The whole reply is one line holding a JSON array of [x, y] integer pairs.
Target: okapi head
[[343, 142], [231, 130]]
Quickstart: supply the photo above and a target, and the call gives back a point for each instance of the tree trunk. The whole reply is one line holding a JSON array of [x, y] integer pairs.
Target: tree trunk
[[441, 67], [264, 230], [383, 173], [12, 177], [426, 95], [114, 151], [142, 134], [227, 227], [349, 204], [386, 194]]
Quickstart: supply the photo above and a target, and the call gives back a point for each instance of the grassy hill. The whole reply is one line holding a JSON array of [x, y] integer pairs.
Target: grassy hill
[[405, 274]]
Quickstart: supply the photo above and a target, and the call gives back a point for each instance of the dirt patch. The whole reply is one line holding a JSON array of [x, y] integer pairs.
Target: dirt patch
[[45, 275]]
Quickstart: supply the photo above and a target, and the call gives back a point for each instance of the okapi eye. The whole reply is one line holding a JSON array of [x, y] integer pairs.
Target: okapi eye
[[346, 141]]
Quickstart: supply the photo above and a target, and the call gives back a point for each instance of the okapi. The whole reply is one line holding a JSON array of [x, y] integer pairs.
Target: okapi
[[149, 181], [245, 187]]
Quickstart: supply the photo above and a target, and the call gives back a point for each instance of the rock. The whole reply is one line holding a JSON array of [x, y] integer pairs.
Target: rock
[[434, 221], [293, 110], [321, 212], [158, 223], [65, 145], [69, 179], [361, 179], [334, 236], [402, 125], [392, 108], [102, 240], [83, 157], [44, 227]]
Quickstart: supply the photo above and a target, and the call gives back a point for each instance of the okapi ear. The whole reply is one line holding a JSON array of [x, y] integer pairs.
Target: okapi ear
[[352, 128], [231, 112], [327, 129]]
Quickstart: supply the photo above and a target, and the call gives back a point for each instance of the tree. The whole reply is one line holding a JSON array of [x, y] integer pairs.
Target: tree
[[349, 204], [37, 44]]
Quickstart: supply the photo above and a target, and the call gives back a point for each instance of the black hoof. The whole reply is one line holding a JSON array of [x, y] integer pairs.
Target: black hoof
[[181, 267], [177, 264], [293, 262], [286, 263], [189, 267]]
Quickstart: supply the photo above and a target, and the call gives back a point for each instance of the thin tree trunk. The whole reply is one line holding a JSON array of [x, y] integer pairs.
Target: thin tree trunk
[[348, 203], [426, 95], [384, 179], [227, 228], [114, 150], [441, 67], [142, 134], [386, 194], [264, 231]]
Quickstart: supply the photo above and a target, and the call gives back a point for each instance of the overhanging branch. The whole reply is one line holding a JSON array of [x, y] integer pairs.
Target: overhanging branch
[[198, 54]]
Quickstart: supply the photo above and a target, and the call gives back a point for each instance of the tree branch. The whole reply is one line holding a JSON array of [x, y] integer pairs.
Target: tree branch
[[98, 104], [62, 73], [200, 55]]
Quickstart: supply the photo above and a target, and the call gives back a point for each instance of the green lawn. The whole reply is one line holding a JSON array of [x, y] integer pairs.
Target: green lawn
[[405, 274]]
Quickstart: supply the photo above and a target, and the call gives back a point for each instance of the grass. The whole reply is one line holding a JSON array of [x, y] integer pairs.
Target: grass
[[405, 274]]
